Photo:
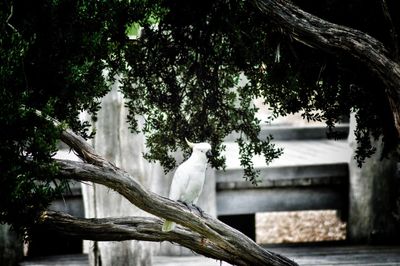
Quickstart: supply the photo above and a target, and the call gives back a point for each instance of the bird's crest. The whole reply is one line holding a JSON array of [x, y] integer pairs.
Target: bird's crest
[[198, 146], [190, 144]]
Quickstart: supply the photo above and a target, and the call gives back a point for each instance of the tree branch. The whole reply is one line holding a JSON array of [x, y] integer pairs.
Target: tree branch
[[128, 228], [238, 248], [215, 235], [333, 38], [83, 149], [9, 18], [241, 249], [80, 146]]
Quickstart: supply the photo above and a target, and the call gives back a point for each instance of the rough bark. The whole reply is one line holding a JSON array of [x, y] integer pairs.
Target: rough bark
[[127, 228], [315, 32], [239, 249]]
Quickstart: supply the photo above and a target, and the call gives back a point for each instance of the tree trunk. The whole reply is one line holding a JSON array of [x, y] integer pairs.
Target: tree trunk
[[115, 142], [372, 200]]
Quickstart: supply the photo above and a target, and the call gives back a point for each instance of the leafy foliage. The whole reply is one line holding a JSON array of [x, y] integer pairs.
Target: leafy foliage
[[183, 74], [52, 57], [193, 72]]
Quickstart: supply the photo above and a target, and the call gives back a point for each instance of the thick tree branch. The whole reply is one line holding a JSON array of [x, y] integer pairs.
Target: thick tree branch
[[83, 149], [80, 146], [333, 38], [128, 228]]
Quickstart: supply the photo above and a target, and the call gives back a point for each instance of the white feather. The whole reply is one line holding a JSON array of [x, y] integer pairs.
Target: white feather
[[188, 179]]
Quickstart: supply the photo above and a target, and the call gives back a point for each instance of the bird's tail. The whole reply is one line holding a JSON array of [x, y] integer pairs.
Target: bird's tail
[[168, 226]]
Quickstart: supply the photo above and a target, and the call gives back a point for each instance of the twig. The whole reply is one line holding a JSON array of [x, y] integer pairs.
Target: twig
[[8, 21]]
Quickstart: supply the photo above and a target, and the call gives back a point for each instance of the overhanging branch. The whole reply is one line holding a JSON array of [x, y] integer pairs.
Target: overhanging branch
[[333, 38]]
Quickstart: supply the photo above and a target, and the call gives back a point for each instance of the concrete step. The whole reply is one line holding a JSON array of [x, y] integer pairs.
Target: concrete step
[[296, 152], [288, 132], [286, 176]]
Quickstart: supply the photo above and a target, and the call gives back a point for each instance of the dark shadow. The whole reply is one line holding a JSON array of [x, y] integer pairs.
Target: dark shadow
[[245, 223]]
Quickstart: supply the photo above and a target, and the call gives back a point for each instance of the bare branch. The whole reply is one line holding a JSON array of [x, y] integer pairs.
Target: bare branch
[[128, 228], [83, 149], [80, 146], [9, 18]]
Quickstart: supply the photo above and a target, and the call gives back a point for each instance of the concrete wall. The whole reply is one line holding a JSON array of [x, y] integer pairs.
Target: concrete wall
[[372, 194]]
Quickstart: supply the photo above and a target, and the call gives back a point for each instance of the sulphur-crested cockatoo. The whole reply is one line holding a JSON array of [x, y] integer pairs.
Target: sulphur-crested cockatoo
[[188, 179]]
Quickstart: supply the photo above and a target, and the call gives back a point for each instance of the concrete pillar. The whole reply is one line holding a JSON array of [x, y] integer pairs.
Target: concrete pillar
[[373, 189], [11, 246], [115, 141]]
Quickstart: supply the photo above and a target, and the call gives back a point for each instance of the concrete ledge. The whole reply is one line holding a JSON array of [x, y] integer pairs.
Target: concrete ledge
[[295, 132], [300, 175], [247, 201]]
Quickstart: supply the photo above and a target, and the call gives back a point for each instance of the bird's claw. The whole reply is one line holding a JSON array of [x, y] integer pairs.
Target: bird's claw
[[198, 209], [191, 206], [185, 203]]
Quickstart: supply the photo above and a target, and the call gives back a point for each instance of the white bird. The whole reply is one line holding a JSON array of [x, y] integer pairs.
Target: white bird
[[188, 179]]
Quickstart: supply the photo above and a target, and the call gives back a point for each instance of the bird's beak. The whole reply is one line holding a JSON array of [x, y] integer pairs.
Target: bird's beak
[[209, 154]]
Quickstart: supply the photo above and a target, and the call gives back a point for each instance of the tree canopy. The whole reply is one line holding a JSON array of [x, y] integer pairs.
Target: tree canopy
[[182, 74]]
